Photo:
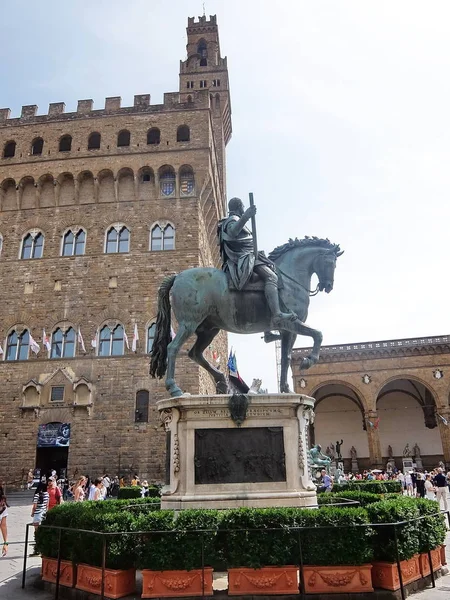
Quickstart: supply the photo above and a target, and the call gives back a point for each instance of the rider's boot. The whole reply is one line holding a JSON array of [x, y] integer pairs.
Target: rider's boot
[[279, 319]]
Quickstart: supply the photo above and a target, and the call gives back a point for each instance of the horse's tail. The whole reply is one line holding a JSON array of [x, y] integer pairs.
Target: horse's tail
[[158, 362]]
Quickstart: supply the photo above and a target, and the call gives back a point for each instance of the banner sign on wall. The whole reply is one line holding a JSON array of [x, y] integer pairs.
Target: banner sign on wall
[[53, 435]]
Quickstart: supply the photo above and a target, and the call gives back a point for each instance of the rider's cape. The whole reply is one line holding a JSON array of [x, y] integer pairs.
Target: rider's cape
[[238, 255]]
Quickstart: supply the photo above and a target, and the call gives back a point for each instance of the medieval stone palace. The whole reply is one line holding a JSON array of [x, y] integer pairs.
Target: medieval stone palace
[[97, 206]]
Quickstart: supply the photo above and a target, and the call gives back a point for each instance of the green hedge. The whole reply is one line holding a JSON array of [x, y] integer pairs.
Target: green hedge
[[360, 496], [375, 487], [391, 511], [241, 537]]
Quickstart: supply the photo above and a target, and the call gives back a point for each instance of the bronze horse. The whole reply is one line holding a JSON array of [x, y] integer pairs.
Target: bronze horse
[[204, 302]]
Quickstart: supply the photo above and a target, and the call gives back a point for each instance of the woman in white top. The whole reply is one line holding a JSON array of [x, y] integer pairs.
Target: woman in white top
[[3, 526], [78, 489], [429, 488]]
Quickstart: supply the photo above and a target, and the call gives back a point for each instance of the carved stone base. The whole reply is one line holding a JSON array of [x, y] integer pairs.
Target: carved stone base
[[215, 462]]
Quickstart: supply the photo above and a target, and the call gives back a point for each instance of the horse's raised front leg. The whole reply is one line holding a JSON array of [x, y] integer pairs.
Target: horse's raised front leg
[[313, 357], [184, 333], [204, 339], [287, 343]]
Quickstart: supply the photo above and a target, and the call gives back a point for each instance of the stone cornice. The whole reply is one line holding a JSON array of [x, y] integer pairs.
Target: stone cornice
[[419, 346]]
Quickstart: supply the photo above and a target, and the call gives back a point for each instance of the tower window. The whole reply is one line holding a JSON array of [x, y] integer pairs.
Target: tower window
[[32, 245], [123, 139], [37, 146], [183, 133], [153, 136], [146, 177], [111, 341], [162, 239], [65, 143], [9, 150], [94, 141], [63, 344], [74, 243], [190, 85], [150, 337], [203, 83], [202, 50], [216, 82], [17, 345], [117, 240], [142, 402]]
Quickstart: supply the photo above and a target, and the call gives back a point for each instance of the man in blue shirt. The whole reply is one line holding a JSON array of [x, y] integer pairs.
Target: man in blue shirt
[[326, 481]]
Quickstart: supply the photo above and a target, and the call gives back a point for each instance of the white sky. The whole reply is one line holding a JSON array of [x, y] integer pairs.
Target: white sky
[[340, 128]]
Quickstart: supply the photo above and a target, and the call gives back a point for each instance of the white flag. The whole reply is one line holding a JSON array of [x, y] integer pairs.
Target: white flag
[[1, 350], [94, 343], [125, 337], [34, 345], [135, 338], [46, 340], [81, 341]]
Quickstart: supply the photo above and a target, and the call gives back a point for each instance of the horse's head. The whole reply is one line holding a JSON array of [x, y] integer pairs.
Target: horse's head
[[324, 266]]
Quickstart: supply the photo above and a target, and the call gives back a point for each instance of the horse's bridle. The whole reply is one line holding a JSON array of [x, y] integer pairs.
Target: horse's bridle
[[310, 292]]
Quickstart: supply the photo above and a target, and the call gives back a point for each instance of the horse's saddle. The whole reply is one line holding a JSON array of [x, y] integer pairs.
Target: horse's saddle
[[255, 284]]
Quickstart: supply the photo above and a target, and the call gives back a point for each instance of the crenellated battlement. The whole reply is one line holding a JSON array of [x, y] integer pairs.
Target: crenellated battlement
[[202, 21], [113, 106]]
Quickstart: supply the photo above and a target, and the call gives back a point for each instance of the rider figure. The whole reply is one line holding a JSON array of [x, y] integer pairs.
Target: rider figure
[[238, 257]]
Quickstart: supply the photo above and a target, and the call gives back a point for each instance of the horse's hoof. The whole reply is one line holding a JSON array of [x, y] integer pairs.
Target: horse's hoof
[[176, 393], [306, 363], [285, 389]]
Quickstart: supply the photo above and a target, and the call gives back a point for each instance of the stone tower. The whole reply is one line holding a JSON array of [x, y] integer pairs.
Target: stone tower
[[96, 207]]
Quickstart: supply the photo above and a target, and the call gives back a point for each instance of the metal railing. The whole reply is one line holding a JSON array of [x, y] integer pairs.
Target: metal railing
[[106, 536]]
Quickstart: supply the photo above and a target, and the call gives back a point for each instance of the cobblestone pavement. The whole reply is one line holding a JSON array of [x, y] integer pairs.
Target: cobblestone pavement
[[11, 565]]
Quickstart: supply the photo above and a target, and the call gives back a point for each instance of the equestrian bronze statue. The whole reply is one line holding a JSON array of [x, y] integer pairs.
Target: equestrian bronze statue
[[251, 294]]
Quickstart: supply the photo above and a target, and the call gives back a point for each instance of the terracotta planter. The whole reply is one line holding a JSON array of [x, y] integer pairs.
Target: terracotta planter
[[172, 584], [265, 581], [443, 557], [117, 583], [50, 570], [385, 575], [337, 580], [435, 561]]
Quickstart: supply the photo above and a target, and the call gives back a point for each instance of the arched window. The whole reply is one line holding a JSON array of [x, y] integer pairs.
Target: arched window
[[187, 182], [94, 141], [123, 139], [32, 245], [117, 239], [74, 243], [141, 412], [63, 344], [202, 49], [183, 133], [162, 239], [65, 143], [37, 146], [150, 337], [9, 149], [146, 177], [153, 136], [17, 345], [111, 341], [167, 181]]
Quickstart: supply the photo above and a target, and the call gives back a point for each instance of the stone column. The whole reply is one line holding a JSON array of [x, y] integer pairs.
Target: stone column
[[373, 437], [444, 430]]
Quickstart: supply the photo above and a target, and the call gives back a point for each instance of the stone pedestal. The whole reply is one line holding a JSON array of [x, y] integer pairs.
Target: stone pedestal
[[212, 462], [355, 468]]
